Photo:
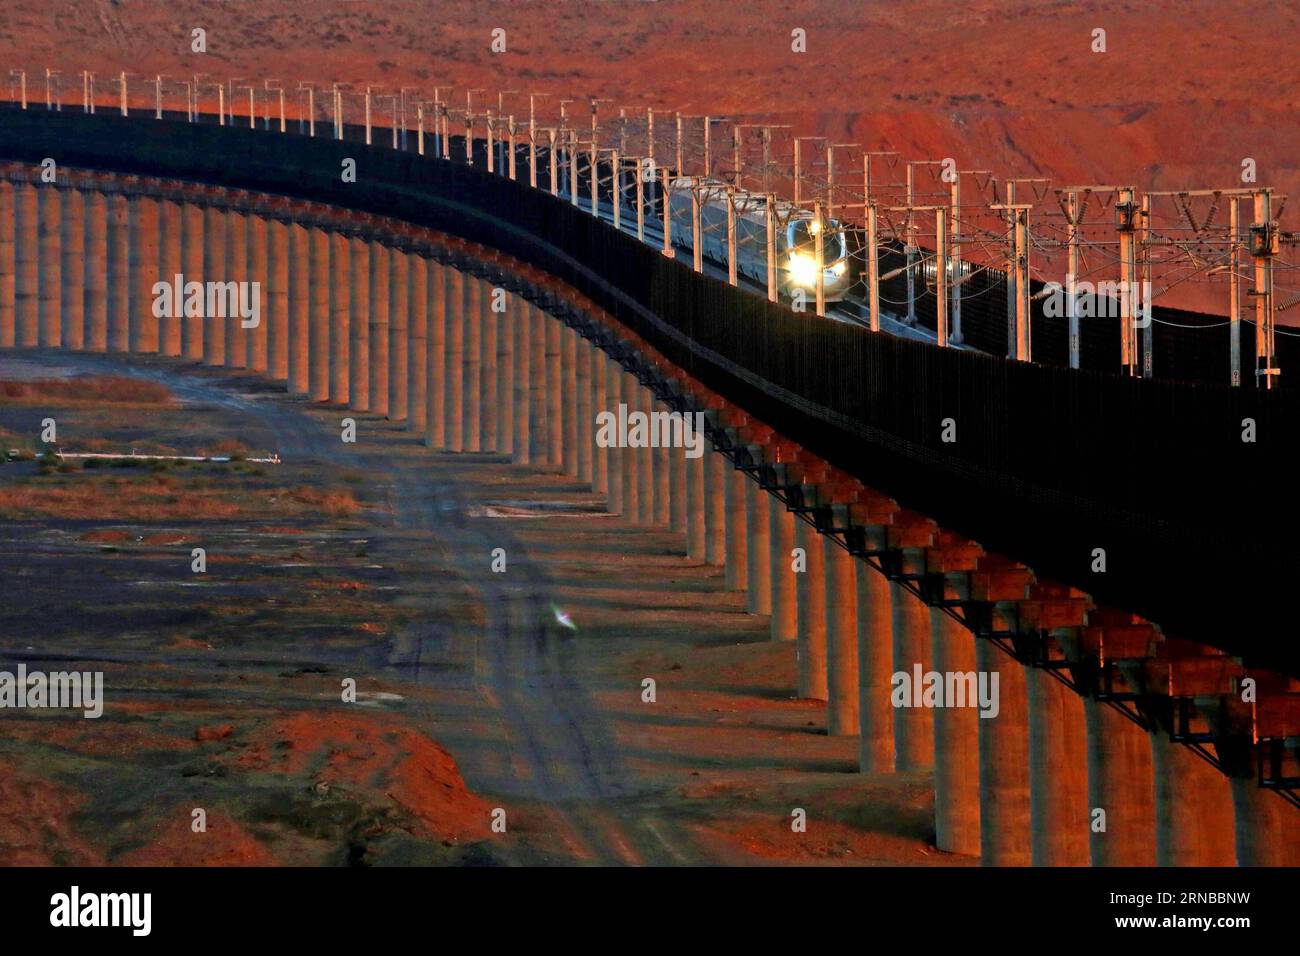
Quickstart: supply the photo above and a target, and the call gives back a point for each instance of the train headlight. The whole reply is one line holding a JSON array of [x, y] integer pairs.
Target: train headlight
[[803, 269], [840, 268]]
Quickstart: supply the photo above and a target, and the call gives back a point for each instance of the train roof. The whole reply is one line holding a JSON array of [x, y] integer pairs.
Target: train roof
[[754, 205]]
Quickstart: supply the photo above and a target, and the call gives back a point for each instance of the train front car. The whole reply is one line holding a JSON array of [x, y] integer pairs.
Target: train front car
[[798, 261]]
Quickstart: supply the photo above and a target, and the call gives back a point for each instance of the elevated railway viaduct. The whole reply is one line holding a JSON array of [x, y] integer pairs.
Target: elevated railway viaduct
[[1112, 548]]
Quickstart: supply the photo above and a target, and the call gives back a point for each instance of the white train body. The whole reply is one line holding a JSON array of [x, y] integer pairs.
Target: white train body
[[796, 265]]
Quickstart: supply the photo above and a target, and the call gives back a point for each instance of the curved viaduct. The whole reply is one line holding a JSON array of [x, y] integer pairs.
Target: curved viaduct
[[1157, 690]]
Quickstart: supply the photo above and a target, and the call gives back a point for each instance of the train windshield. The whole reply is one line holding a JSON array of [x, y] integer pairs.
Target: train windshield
[[803, 238]]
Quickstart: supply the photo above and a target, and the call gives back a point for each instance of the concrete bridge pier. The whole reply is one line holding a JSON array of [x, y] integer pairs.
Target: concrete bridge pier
[[169, 265], [758, 551], [143, 259], [119, 257], [435, 369], [72, 244], [956, 743], [613, 455], [781, 542], [663, 471], [454, 377], [598, 389], [1120, 782], [736, 526], [96, 273], [7, 328], [237, 271], [715, 507], [913, 726], [810, 600], [415, 349], [583, 416], [259, 271], [488, 372], [214, 270], [647, 460], [277, 300], [552, 391], [679, 518], [392, 342], [1194, 812], [386, 280], [1265, 831], [520, 310], [26, 261], [569, 397], [875, 650], [340, 318], [630, 469], [49, 203], [539, 408], [695, 476], [505, 323], [472, 363], [301, 276], [1004, 763], [319, 362], [1058, 781], [191, 266], [367, 285], [841, 609]]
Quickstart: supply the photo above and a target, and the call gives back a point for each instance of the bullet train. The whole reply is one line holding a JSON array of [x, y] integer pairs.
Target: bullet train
[[796, 231]]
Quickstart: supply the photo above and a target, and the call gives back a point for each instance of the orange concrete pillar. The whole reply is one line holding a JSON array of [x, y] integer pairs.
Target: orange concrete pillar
[[487, 320], [143, 259], [367, 298], [170, 265], [630, 468], [956, 743], [96, 281], [613, 454], [1005, 818], [340, 332], [678, 463], [758, 549], [237, 272], [599, 459], [257, 336], [8, 332], [415, 347], [392, 363], [1267, 833], [539, 408], [715, 507], [663, 466], [119, 276], [810, 599], [583, 416], [72, 245], [26, 266], [645, 461], [736, 527], [435, 370], [301, 293], [454, 403], [785, 606], [319, 337], [49, 276], [568, 396], [214, 270], [695, 468], [1058, 778], [505, 323], [380, 305], [191, 268], [1194, 812], [1121, 784], [472, 433], [554, 394], [875, 650], [913, 726], [841, 603], [521, 452], [277, 300]]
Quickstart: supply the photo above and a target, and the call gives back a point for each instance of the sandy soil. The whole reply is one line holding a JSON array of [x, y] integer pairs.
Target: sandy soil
[[224, 693]]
